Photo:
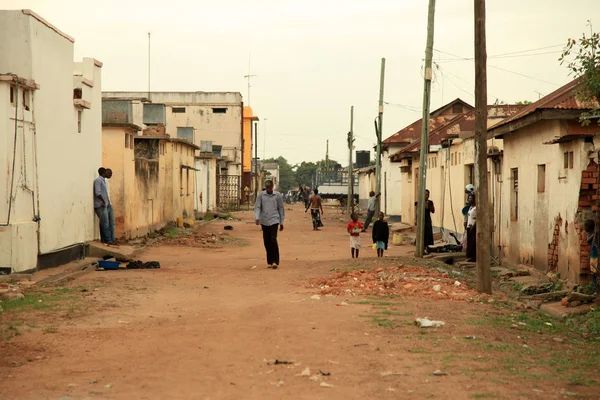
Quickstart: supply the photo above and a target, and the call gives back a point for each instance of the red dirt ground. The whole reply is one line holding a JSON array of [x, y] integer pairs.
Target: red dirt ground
[[208, 325]]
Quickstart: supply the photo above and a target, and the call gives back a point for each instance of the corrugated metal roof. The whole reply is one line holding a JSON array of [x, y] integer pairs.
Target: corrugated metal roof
[[413, 131], [563, 98], [462, 123]]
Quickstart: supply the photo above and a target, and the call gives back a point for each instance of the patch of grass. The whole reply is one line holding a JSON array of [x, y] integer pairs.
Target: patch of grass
[[50, 329], [396, 313], [577, 379], [42, 301], [372, 303], [483, 396], [171, 232]]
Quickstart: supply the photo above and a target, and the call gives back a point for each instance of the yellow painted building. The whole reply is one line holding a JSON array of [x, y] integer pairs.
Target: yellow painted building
[[153, 179], [247, 153]]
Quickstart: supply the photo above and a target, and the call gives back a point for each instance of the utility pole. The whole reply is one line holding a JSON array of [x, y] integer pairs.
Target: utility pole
[[148, 66], [264, 151], [425, 130], [327, 158], [350, 166], [248, 78], [379, 133], [483, 225], [255, 161]]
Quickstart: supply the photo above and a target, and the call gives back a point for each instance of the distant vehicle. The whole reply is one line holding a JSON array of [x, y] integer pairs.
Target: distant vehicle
[[334, 185]]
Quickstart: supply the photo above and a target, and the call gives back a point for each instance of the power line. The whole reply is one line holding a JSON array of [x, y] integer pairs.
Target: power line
[[502, 69], [461, 79], [523, 75], [449, 60], [405, 107], [504, 55]]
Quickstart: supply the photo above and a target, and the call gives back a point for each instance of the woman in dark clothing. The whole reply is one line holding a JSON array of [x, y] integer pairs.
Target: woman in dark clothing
[[428, 235], [472, 230], [381, 235]]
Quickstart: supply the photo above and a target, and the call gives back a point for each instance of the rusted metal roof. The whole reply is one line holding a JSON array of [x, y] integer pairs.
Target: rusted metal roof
[[413, 131], [462, 123], [564, 98]]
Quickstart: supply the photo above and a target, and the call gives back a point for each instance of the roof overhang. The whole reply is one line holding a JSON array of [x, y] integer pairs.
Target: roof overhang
[[404, 155], [567, 138], [539, 115], [119, 125]]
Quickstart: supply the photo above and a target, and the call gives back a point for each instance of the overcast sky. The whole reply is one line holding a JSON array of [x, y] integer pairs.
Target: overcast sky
[[316, 58]]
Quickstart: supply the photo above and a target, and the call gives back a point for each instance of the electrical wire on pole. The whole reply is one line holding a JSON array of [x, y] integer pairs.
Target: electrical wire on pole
[[428, 75]]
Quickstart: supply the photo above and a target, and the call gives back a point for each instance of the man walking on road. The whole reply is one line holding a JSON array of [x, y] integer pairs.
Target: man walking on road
[[270, 214], [316, 210], [370, 209]]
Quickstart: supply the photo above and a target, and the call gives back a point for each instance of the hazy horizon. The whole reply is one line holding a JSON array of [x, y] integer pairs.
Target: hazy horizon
[[315, 59]]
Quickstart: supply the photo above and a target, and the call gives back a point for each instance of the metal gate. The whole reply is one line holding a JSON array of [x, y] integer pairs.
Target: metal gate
[[228, 192]]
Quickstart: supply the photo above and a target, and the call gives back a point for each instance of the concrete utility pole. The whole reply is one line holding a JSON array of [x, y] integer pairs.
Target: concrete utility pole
[[425, 131], [148, 65], [484, 277], [379, 133], [350, 166]]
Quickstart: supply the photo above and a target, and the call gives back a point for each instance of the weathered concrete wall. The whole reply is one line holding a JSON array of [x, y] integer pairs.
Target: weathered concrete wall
[[536, 222], [118, 155], [392, 196], [367, 182], [206, 185], [183, 178], [201, 113], [53, 188]]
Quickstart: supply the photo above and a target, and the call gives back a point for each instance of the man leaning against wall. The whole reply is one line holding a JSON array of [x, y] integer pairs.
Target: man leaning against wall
[[102, 206]]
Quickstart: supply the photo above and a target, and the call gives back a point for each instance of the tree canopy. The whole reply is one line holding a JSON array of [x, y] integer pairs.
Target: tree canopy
[[582, 57], [286, 174]]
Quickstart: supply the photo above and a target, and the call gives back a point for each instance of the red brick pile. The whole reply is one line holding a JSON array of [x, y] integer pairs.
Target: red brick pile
[[397, 280]]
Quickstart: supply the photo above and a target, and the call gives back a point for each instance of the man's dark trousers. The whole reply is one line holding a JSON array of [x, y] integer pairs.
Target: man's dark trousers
[[370, 215], [271, 246]]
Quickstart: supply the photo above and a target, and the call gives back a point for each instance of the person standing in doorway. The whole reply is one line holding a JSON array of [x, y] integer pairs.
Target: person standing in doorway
[[370, 209], [109, 209], [381, 234], [316, 210], [472, 230], [429, 209], [269, 213], [428, 231], [101, 203]]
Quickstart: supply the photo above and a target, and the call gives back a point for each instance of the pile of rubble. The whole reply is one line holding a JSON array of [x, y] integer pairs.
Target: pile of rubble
[[396, 280], [196, 239], [12, 288]]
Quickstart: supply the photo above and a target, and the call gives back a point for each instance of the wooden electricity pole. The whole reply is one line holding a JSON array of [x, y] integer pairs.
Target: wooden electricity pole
[[483, 225], [350, 166], [425, 131], [379, 133]]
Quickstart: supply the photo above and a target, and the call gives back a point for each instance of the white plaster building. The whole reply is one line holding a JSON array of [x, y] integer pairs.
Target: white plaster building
[[50, 119]]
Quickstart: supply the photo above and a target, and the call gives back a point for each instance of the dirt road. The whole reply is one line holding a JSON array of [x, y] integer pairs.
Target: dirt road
[[208, 325]]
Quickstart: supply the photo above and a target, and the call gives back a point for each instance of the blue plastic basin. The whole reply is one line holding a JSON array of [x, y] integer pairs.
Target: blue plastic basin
[[109, 264]]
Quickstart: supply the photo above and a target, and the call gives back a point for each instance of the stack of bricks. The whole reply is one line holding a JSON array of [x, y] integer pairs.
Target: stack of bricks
[[155, 130], [588, 200], [553, 247]]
